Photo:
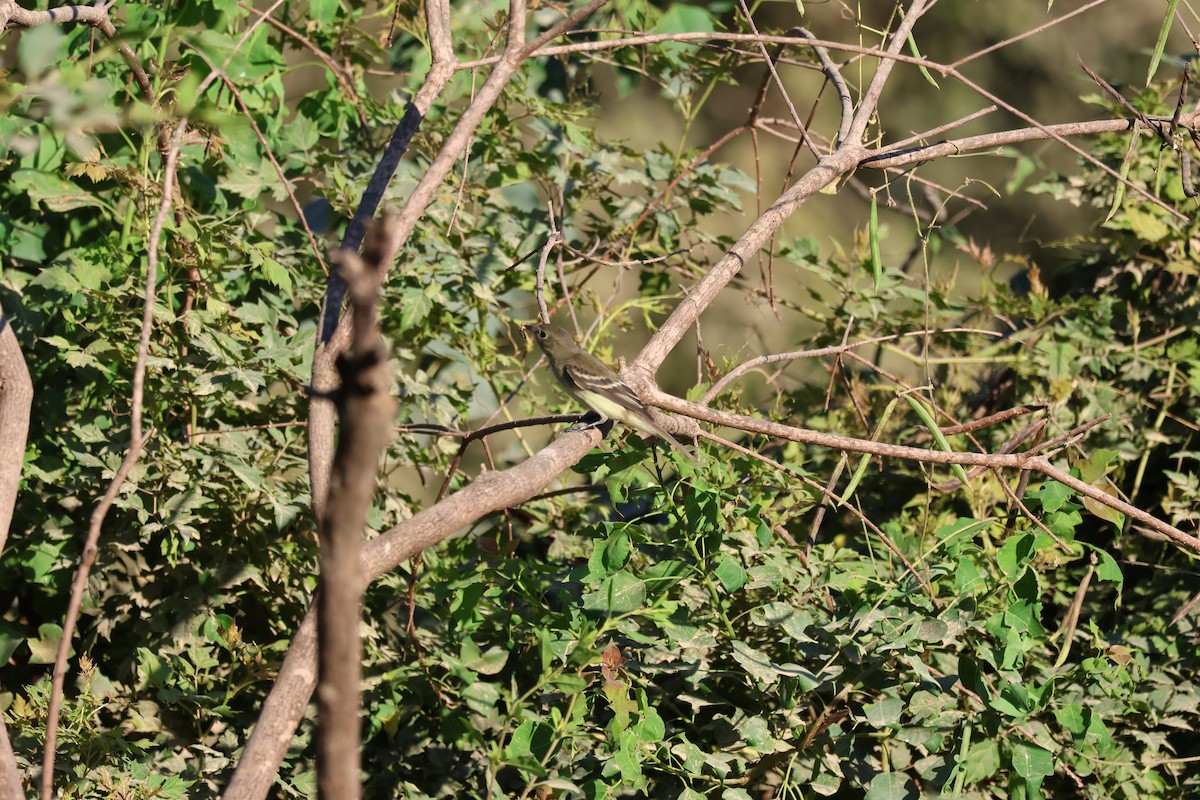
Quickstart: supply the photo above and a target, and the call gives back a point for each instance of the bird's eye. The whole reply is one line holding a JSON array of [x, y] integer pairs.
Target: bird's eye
[[541, 334]]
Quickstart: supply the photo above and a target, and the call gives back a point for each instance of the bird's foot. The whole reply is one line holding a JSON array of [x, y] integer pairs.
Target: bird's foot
[[592, 420]]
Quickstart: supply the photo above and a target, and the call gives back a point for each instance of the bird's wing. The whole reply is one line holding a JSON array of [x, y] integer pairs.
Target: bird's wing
[[594, 376]]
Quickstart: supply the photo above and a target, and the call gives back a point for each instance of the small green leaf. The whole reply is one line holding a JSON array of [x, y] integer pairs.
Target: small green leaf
[[891, 786], [730, 573], [44, 649]]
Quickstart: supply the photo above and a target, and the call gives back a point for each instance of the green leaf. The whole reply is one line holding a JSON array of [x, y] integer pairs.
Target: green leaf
[[44, 649], [276, 274], [1147, 225], [10, 640], [323, 11], [490, 662], [1032, 762], [981, 762], [884, 713], [1052, 496], [53, 192], [620, 594], [531, 742], [756, 663], [730, 573], [891, 786]]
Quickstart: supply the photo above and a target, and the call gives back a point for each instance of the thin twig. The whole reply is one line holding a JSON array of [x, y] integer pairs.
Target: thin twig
[[818, 352], [137, 442]]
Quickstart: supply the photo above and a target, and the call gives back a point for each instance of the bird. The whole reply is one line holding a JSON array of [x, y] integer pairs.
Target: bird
[[590, 381]]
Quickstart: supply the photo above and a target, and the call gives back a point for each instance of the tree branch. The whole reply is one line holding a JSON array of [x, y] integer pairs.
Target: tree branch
[[366, 411]]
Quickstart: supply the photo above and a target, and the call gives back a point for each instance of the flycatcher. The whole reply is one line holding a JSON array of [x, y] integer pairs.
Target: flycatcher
[[591, 382]]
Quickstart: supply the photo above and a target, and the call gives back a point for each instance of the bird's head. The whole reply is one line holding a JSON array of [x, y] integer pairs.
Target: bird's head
[[551, 338]]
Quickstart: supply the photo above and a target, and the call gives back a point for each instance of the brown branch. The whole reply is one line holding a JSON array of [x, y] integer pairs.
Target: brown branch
[[1018, 461], [10, 776], [1026, 34], [16, 402], [19, 17], [993, 419], [137, 442], [948, 126], [954, 147], [775, 358], [366, 411]]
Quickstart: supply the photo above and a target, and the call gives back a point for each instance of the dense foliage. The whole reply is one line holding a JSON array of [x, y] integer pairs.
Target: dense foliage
[[669, 630]]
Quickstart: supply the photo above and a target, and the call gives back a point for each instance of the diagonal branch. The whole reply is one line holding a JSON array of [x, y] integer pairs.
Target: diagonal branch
[[1018, 461], [332, 336], [137, 442]]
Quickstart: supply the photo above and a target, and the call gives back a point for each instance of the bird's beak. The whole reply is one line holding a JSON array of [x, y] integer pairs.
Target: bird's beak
[[525, 330]]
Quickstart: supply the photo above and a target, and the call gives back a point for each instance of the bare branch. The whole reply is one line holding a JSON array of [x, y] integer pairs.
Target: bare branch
[[776, 358], [1019, 461], [16, 401], [10, 776], [137, 441], [366, 411]]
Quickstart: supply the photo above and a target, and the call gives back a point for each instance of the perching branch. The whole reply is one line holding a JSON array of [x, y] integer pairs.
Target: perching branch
[[1017, 461]]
